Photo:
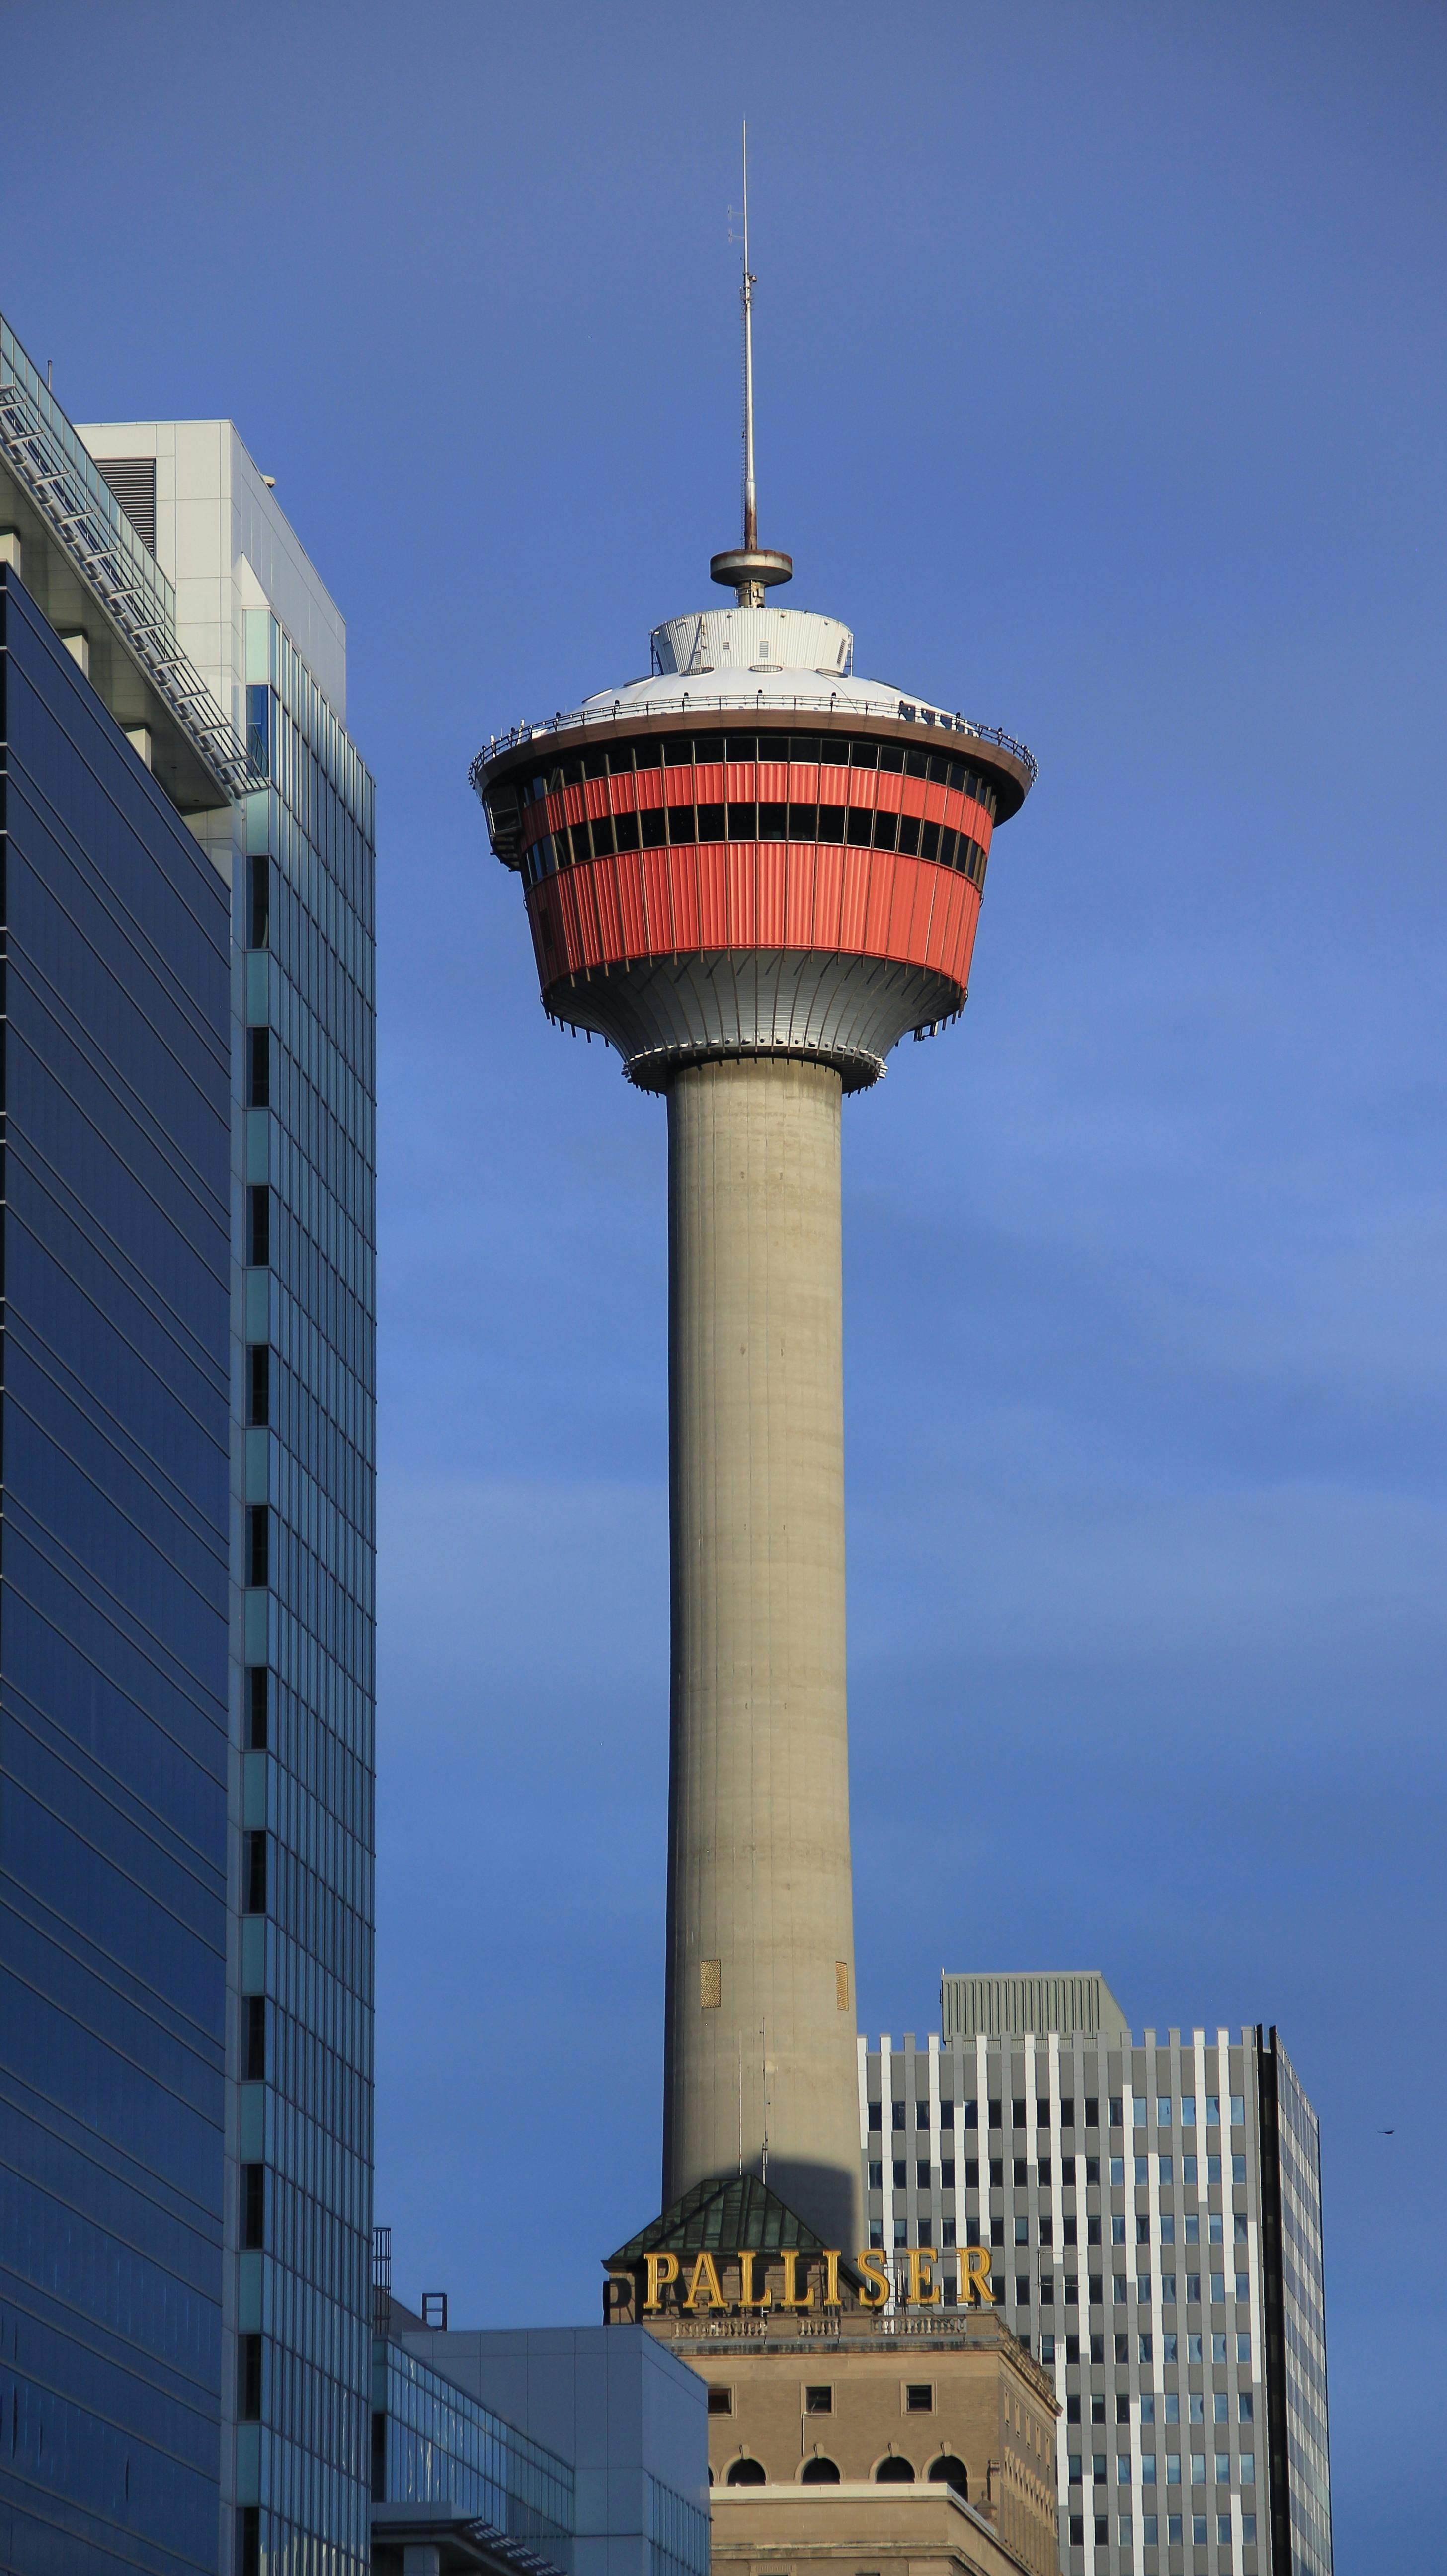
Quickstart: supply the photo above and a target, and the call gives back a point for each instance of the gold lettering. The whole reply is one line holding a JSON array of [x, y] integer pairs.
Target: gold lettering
[[662, 2268], [704, 2286], [789, 2296], [976, 2281], [750, 2296], [874, 2279], [831, 2277], [924, 2290]]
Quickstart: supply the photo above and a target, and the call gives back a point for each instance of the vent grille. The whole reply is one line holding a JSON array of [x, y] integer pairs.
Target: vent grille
[[132, 480]]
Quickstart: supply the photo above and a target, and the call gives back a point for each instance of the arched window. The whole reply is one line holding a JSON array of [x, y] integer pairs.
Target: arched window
[[947, 2471], [894, 2472], [747, 2473], [819, 2473]]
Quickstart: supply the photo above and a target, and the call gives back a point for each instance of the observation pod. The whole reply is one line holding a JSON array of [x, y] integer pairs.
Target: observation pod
[[752, 874]]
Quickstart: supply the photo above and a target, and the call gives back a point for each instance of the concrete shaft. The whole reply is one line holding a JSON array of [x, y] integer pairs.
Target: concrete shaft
[[761, 2005]]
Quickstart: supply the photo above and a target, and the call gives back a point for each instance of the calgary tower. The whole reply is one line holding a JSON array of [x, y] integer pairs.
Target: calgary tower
[[753, 873]]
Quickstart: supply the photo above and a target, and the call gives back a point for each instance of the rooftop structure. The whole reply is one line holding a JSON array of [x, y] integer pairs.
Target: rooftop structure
[[93, 575], [752, 873], [1008, 2007]]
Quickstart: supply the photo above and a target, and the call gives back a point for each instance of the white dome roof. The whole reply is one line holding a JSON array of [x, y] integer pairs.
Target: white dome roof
[[754, 657]]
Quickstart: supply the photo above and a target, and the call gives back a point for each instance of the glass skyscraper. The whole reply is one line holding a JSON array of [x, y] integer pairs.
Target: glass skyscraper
[[186, 1605], [114, 1617]]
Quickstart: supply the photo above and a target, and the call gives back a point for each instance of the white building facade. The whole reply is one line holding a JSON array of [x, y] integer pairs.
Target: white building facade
[[1153, 2213]]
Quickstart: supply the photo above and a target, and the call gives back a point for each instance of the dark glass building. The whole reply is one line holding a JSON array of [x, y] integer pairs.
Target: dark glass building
[[186, 1603], [114, 1622]]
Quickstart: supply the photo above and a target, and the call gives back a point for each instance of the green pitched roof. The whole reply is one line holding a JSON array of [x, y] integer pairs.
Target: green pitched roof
[[734, 2212]]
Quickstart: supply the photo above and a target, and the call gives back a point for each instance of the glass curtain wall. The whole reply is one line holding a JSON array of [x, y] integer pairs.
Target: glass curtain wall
[[304, 906], [433, 2444], [115, 1079]]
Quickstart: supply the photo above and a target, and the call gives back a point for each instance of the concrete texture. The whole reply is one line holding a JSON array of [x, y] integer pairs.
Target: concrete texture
[[760, 2042]]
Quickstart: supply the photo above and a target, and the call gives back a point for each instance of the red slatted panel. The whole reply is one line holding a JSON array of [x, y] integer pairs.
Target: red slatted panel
[[833, 784], [927, 904], [914, 792], [620, 794], [740, 868], [555, 807], [630, 903], [799, 896], [855, 899], [934, 802], [863, 788], [687, 923], [610, 914], [657, 895], [571, 940], [939, 926], [976, 823], [649, 787], [595, 798], [773, 911], [804, 783], [741, 789], [889, 794], [919, 923], [828, 897], [713, 906], [883, 870], [878, 903], [545, 946], [773, 782], [709, 777], [956, 945], [573, 804], [900, 918], [588, 915]]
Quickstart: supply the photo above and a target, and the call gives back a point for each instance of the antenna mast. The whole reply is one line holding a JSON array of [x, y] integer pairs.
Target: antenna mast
[[751, 507], [749, 570]]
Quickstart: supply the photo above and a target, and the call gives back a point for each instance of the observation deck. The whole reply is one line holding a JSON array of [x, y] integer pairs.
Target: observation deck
[[752, 851]]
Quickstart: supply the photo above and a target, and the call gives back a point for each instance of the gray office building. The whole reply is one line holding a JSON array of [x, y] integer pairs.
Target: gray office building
[[186, 1604], [532, 2450], [1153, 2210]]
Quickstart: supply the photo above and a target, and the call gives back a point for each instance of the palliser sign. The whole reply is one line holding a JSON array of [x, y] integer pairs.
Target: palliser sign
[[747, 2281]]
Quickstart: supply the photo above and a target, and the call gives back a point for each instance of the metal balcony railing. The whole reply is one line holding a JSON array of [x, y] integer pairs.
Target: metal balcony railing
[[59, 477], [610, 711]]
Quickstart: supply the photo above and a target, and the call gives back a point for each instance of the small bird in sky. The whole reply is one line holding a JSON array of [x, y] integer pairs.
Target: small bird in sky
[[1387, 2133]]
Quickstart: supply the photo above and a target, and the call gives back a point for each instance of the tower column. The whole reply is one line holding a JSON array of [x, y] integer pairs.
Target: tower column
[[761, 2044]]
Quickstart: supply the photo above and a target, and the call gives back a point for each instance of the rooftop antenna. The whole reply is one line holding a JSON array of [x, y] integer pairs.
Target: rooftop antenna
[[751, 500], [750, 569]]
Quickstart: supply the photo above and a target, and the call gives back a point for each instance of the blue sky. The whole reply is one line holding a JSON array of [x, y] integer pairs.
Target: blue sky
[[1101, 390]]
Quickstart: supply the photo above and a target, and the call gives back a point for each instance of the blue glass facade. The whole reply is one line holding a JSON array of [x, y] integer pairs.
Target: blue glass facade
[[306, 1344], [627, 2416], [115, 1595], [433, 2444], [677, 2533]]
